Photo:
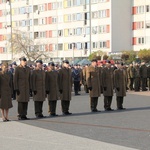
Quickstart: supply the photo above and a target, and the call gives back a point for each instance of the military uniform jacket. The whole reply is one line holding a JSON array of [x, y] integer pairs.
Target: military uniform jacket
[[52, 85], [130, 72], [120, 81], [38, 84], [94, 80], [5, 90], [107, 81], [143, 71], [22, 83], [65, 83]]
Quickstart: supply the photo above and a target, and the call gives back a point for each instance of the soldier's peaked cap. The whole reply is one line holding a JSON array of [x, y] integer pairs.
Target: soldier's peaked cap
[[39, 61], [23, 59], [66, 61], [51, 64]]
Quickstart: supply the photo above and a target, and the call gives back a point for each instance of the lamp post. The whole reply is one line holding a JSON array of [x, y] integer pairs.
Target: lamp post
[[90, 26]]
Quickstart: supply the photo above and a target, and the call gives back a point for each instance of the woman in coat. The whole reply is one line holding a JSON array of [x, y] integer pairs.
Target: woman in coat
[[5, 91]]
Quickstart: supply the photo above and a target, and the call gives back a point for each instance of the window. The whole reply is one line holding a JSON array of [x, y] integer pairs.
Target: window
[[87, 45], [79, 45], [140, 9], [147, 8], [54, 19], [86, 16], [68, 3], [60, 46], [79, 16], [95, 14], [94, 45], [102, 44], [41, 21], [87, 30], [36, 35], [42, 47], [94, 30], [140, 40], [22, 10], [102, 29], [74, 17], [148, 25], [54, 33], [102, 13], [59, 4], [60, 33], [54, 5], [79, 31], [140, 25], [41, 7]]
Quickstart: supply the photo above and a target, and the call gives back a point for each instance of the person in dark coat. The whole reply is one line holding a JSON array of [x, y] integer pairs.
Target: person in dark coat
[[108, 85], [65, 87], [94, 84], [22, 86], [120, 82], [143, 74], [76, 79], [52, 90], [38, 88], [5, 91]]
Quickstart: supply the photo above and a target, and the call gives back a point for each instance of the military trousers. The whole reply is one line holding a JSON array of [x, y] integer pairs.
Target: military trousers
[[38, 107], [52, 107], [93, 103], [22, 109], [137, 84], [130, 84], [76, 86], [119, 102], [65, 106], [144, 83], [107, 102]]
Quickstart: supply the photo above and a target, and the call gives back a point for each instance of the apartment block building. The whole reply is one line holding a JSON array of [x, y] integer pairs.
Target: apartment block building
[[75, 28]]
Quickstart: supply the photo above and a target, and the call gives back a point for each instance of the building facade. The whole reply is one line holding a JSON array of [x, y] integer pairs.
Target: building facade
[[75, 28]]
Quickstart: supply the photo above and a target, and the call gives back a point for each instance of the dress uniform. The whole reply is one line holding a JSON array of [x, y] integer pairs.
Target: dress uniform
[[143, 74], [5, 91], [131, 76], [52, 90], [108, 85], [22, 87], [137, 78], [84, 70], [120, 82], [38, 88], [65, 87], [94, 84]]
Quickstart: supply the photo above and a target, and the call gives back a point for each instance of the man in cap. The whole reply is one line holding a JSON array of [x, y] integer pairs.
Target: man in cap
[[22, 87], [38, 88], [76, 75], [108, 86], [94, 84], [65, 87], [52, 88], [120, 82]]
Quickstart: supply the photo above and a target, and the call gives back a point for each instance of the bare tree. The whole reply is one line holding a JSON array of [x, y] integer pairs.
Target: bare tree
[[22, 44]]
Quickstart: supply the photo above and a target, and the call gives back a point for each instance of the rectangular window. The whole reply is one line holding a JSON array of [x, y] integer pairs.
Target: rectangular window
[[102, 44], [140, 40], [95, 14], [60, 46], [94, 30], [79, 16], [87, 30], [102, 29], [79, 31], [102, 13], [140, 9], [54, 19], [148, 25], [147, 8], [60, 33], [94, 45]]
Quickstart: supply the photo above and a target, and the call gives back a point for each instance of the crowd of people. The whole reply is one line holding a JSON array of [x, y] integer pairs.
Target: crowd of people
[[54, 82]]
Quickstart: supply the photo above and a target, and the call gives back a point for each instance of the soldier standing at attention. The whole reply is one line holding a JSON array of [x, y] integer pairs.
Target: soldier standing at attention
[[94, 84], [143, 74], [5, 91], [52, 88], [108, 85], [65, 87], [22, 87], [38, 88], [120, 79]]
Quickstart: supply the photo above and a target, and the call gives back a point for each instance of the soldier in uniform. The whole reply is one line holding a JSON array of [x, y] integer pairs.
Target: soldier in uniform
[[52, 88], [65, 87], [120, 79], [137, 77], [94, 84], [143, 74], [22, 87], [84, 70], [130, 73], [108, 86], [38, 88], [5, 91]]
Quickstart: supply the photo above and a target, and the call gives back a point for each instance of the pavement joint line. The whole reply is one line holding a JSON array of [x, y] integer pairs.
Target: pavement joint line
[[92, 125]]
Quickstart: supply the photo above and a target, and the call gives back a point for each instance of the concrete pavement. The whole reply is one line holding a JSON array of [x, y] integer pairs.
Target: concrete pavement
[[19, 136]]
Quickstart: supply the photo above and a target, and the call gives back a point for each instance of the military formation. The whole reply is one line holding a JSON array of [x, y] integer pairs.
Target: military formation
[[54, 82]]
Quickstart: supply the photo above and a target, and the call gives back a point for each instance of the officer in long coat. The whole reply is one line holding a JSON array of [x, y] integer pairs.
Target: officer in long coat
[[38, 88], [131, 76], [143, 74], [22, 87], [65, 87], [6, 88], [120, 82], [52, 90], [108, 85], [94, 84]]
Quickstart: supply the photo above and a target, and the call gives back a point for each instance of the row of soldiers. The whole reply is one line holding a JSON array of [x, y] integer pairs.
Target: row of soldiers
[[56, 83]]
